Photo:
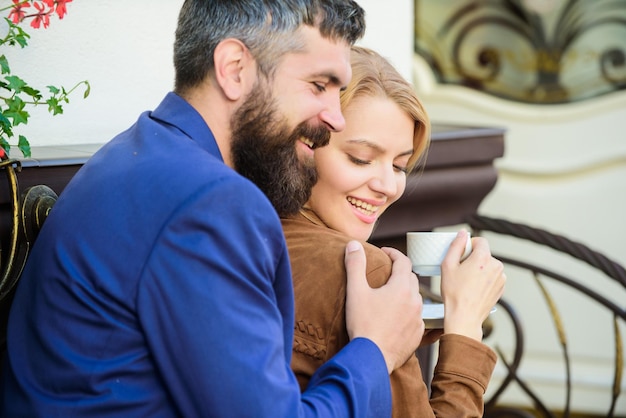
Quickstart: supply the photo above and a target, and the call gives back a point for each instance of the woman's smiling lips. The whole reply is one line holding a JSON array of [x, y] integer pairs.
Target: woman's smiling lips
[[365, 211]]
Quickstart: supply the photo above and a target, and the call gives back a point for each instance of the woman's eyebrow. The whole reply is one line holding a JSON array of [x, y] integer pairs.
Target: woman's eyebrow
[[376, 147], [365, 142]]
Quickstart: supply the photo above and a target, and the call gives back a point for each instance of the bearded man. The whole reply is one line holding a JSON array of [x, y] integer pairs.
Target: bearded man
[[160, 283]]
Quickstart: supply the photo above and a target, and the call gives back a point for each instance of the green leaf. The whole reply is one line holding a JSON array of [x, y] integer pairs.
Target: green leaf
[[16, 111], [5, 144], [87, 90], [54, 90], [22, 39], [4, 65], [15, 83], [34, 93], [15, 103], [16, 34], [54, 107], [24, 146], [5, 125]]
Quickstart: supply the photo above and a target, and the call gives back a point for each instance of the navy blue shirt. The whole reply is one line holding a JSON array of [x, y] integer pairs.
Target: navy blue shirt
[[160, 285]]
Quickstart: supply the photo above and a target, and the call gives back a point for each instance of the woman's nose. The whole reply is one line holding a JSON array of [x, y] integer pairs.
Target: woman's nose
[[385, 182]]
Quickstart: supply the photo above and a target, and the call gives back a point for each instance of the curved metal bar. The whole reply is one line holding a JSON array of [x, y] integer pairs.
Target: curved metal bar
[[28, 212], [618, 310], [517, 355], [12, 262], [578, 251], [37, 201], [491, 54], [619, 366], [526, 388], [558, 323], [558, 242]]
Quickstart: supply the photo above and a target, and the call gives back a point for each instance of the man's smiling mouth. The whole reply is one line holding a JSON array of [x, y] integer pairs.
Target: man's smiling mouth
[[308, 142]]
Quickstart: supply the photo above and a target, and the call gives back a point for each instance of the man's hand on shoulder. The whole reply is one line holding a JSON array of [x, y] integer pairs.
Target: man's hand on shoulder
[[390, 316]]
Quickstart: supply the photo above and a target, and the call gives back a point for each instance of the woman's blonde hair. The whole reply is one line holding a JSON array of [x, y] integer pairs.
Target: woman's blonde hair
[[374, 76]]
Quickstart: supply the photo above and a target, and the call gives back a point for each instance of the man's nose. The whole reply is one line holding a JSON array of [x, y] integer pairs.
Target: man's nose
[[331, 115]]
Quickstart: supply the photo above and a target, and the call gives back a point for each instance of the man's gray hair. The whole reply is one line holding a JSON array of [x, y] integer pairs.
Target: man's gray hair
[[267, 28]]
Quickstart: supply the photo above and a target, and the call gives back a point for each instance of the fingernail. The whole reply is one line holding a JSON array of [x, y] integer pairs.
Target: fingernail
[[353, 246]]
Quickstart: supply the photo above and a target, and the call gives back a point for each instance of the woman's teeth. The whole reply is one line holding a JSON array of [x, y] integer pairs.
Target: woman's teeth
[[363, 206]]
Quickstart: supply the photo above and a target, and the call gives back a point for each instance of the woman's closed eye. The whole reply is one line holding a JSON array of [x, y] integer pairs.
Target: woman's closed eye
[[402, 169], [358, 161]]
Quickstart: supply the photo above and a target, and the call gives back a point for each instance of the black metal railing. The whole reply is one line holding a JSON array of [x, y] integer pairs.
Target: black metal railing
[[614, 303]]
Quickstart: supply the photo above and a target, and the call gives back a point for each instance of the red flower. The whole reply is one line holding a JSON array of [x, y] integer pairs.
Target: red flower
[[61, 7], [41, 16], [17, 13]]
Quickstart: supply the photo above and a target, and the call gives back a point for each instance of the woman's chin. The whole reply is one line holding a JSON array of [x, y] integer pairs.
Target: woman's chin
[[361, 233]]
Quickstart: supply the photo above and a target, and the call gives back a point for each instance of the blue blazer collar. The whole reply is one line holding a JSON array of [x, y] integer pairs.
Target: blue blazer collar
[[176, 111]]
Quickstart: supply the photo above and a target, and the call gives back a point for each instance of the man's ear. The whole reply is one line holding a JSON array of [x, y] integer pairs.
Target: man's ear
[[233, 65]]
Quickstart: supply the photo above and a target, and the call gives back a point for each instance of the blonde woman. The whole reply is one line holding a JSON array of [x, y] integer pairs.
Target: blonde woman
[[360, 174]]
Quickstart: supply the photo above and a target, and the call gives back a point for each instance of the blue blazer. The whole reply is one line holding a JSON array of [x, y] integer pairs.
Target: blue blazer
[[160, 286]]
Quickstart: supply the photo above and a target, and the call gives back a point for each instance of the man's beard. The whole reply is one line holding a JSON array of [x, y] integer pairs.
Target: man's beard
[[264, 150]]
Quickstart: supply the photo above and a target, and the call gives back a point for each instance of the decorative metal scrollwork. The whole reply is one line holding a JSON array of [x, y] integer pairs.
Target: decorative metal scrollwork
[[533, 51], [28, 213], [614, 272]]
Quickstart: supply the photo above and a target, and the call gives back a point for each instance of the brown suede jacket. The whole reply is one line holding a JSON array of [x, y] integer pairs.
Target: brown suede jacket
[[464, 366]]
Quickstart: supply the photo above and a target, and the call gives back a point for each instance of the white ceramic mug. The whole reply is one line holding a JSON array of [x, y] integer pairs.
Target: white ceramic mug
[[428, 249]]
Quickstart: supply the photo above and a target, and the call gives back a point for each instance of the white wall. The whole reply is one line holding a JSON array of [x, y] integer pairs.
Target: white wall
[[124, 49], [390, 31]]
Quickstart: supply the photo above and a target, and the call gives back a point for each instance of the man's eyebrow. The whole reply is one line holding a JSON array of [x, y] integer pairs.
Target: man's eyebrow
[[332, 79]]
